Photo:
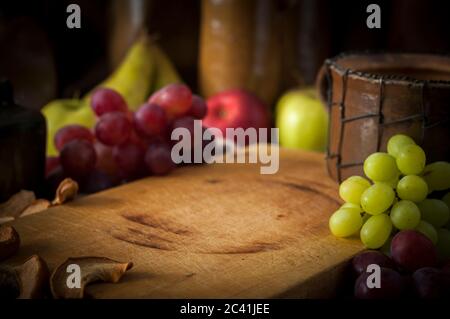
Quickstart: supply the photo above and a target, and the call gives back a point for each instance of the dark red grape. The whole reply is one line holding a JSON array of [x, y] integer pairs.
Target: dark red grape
[[130, 116], [198, 107], [428, 283], [175, 99], [113, 128], [78, 158], [129, 158], [412, 250], [364, 259], [150, 120], [391, 286], [186, 122], [72, 132], [139, 140], [96, 181], [51, 163], [105, 160], [196, 142], [158, 159], [106, 100]]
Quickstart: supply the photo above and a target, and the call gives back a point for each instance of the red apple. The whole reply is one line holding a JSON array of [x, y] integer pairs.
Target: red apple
[[236, 108]]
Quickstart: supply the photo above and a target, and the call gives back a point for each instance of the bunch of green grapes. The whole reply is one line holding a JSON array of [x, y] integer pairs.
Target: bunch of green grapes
[[394, 197]]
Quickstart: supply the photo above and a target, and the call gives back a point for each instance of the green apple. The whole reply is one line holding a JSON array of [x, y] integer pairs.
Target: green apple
[[302, 120]]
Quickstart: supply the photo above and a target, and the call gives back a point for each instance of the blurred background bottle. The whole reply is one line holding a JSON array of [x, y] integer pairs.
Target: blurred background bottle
[[306, 40], [266, 46], [240, 47]]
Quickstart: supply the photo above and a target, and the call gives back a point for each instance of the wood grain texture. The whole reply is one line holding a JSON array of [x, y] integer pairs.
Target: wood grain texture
[[215, 231]]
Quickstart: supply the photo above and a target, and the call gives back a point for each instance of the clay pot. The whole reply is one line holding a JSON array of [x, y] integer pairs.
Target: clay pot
[[371, 97]]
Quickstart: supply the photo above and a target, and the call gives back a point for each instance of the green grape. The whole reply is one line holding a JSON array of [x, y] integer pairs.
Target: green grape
[[437, 176], [352, 206], [358, 179], [446, 199], [428, 230], [393, 182], [396, 142], [413, 188], [351, 189], [386, 248], [395, 201], [380, 167], [365, 217], [377, 198], [394, 230], [435, 212], [405, 215], [376, 231], [443, 244], [411, 159], [345, 222]]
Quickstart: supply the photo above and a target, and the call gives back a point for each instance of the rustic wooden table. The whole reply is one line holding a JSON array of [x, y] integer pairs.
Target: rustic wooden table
[[214, 231]]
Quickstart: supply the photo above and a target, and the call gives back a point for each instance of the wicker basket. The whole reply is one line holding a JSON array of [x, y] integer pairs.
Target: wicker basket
[[371, 97]]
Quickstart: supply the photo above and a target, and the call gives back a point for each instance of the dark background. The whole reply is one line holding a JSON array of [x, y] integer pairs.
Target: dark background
[[44, 59]]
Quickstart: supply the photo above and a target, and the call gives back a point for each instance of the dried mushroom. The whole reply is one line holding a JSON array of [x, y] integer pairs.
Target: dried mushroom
[[27, 281], [37, 206], [9, 242], [14, 206], [33, 278], [66, 190], [63, 282], [9, 284], [25, 203]]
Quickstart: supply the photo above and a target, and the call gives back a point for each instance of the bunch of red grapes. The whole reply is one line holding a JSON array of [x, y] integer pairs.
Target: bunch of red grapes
[[412, 269], [124, 145]]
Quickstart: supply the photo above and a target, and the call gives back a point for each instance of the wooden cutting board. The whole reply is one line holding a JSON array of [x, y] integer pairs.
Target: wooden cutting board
[[211, 231]]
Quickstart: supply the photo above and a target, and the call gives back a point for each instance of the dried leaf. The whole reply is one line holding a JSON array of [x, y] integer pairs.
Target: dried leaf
[[9, 242], [92, 269], [37, 206], [26, 281], [66, 190], [14, 206]]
